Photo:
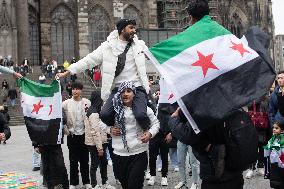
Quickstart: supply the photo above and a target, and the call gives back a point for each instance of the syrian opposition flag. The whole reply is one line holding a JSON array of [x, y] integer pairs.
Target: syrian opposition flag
[[275, 150], [211, 71], [42, 109]]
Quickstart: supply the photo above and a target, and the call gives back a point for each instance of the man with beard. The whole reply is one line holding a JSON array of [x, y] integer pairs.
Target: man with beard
[[122, 59]]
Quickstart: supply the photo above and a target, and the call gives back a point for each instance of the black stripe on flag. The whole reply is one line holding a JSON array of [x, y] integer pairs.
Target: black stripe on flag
[[43, 131], [213, 101]]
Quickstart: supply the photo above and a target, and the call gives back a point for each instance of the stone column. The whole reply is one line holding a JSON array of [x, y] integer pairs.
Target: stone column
[[152, 21], [22, 15], [83, 28], [45, 28]]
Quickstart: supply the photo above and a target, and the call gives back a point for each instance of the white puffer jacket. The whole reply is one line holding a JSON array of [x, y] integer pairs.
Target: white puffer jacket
[[106, 55]]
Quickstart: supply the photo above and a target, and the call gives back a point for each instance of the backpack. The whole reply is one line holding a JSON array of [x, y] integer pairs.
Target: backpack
[[241, 141]]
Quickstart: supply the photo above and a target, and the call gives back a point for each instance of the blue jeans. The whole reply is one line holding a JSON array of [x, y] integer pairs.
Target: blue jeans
[[13, 102], [36, 159], [173, 157], [182, 150]]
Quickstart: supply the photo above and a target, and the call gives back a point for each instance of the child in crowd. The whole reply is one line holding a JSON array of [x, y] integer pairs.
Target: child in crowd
[[274, 152]]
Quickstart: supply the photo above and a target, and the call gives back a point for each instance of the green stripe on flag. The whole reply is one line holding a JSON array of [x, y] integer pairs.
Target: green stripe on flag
[[36, 89], [202, 30]]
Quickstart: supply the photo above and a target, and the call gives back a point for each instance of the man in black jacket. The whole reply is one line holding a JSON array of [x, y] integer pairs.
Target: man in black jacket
[[5, 132], [209, 148]]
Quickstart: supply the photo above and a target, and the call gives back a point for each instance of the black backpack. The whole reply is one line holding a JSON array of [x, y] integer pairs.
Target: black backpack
[[241, 140]]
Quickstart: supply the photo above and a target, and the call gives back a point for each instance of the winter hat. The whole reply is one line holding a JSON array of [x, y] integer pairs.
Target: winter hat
[[122, 23]]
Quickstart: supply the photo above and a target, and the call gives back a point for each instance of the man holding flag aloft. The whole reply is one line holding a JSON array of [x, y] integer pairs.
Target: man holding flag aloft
[[225, 73]]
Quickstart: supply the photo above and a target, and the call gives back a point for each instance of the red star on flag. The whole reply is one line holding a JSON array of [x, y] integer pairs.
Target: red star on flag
[[50, 110], [282, 158], [37, 107], [205, 62], [240, 48], [171, 96]]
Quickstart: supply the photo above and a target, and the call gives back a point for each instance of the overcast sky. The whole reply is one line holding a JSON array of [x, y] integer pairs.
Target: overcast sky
[[278, 14]]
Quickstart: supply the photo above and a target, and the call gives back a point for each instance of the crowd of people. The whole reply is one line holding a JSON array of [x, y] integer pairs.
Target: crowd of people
[[124, 120]]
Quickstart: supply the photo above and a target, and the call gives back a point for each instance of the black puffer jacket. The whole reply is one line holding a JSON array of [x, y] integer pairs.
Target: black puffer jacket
[[4, 128], [212, 163]]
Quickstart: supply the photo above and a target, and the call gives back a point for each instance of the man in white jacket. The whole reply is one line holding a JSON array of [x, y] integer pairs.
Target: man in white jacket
[[121, 59]]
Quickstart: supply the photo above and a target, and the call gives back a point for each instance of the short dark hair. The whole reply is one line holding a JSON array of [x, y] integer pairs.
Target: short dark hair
[[281, 72], [198, 8], [77, 85]]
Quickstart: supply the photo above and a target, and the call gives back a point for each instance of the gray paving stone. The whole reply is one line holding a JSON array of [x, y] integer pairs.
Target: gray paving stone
[[16, 155]]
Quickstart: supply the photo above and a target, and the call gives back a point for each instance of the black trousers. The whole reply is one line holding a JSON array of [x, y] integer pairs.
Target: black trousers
[[236, 183], [131, 170], [53, 167], [260, 157], [110, 149], [78, 152], [139, 108], [157, 145], [97, 161]]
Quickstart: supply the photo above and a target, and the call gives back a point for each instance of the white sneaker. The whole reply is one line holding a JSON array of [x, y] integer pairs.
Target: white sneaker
[[179, 185], [88, 186], [97, 186], [159, 169], [108, 186], [176, 169], [117, 182], [151, 181], [164, 181], [249, 174], [261, 171], [72, 187], [148, 175], [109, 162], [194, 186]]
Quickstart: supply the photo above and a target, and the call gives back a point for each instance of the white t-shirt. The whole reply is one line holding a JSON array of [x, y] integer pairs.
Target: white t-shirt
[[79, 127], [129, 73]]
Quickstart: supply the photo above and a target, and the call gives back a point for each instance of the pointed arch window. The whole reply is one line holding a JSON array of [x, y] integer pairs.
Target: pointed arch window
[[132, 12], [62, 34], [236, 25], [33, 36], [99, 27]]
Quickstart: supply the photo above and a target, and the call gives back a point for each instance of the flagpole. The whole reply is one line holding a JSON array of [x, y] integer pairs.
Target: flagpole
[[60, 134], [91, 81]]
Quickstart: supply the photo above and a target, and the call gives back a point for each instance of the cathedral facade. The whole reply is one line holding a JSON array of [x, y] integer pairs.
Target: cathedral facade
[[62, 29]]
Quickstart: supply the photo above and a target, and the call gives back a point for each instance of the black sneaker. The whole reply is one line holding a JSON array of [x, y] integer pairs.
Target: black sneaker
[[36, 168]]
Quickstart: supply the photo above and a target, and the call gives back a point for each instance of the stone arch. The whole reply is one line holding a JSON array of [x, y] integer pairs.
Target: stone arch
[[62, 33], [99, 26], [132, 12], [238, 21], [34, 36]]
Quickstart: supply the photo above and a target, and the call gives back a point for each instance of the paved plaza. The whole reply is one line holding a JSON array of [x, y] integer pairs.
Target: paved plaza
[[16, 155]]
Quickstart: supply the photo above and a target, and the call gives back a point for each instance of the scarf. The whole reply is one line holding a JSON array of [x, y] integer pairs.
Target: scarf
[[119, 109]]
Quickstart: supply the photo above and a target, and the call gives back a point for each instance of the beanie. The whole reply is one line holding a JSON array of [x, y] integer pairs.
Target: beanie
[[122, 23]]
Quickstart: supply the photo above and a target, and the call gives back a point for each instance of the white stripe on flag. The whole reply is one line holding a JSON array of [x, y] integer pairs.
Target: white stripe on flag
[[50, 107], [187, 78]]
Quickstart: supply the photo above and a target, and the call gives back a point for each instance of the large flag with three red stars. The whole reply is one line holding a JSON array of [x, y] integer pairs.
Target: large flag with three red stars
[[42, 109], [211, 72]]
